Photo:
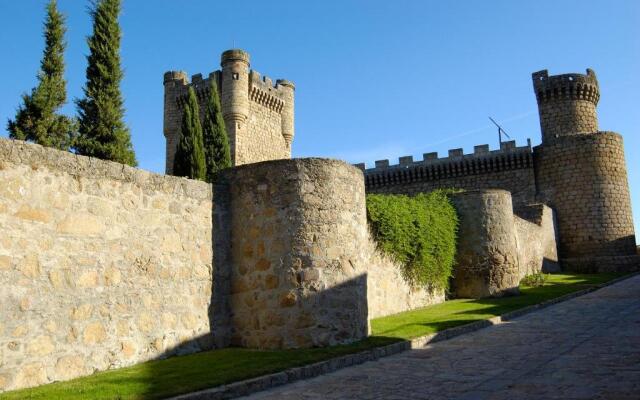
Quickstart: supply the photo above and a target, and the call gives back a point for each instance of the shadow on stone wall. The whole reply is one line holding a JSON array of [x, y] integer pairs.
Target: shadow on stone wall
[[550, 265], [622, 246], [617, 255], [169, 374]]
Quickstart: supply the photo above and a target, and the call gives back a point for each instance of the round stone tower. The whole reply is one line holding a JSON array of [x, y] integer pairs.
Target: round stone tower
[[581, 172], [175, 83], [235, 95], [566, 103], [287, 88]]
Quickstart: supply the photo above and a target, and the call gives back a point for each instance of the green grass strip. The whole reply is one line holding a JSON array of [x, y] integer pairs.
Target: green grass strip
[[177, 375]]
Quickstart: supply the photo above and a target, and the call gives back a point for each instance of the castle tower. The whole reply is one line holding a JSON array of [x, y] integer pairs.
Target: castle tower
[[259, 115], [566, 103], [581, 172], [287, 111], [175, 83], [235, 96]]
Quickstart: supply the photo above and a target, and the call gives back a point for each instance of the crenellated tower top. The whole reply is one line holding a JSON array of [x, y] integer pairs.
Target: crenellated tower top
[[566, 103]]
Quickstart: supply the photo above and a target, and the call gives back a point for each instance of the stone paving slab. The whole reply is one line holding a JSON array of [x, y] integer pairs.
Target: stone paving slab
[[584, 348]]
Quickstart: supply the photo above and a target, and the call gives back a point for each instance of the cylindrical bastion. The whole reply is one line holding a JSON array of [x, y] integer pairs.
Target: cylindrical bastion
[[487, 258], [296, 275]]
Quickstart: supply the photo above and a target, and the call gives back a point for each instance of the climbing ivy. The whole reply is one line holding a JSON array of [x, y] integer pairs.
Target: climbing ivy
[[419, 232]]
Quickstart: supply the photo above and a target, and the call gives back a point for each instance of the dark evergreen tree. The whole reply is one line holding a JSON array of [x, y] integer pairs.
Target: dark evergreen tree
[[190, 159], [216, 141], [102, 132], [37, 119]]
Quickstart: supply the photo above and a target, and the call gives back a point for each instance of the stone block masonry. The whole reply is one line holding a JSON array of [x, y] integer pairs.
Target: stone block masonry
[[584, 178], [101, 265], [304, 271], [536, 239], [295, 229], [487, 255]]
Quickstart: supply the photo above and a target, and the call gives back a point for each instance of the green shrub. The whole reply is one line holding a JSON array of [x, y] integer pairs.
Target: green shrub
[[418, 232], [534, 280]]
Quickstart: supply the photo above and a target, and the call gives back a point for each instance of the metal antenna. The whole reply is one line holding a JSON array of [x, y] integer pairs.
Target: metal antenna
[[500, 131]]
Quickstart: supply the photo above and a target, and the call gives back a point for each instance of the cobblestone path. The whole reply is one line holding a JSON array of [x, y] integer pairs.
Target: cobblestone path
[[585, 348]]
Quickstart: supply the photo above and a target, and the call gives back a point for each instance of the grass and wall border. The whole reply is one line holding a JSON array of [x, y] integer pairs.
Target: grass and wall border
[[391, 335], [291, 375]]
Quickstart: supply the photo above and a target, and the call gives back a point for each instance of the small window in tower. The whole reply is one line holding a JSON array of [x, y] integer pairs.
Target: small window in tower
[[236, 76]]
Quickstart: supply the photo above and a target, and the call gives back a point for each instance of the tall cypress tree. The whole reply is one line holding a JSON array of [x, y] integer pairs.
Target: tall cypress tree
[[189, 158], [102, 131], [37, 119], [216, 141]]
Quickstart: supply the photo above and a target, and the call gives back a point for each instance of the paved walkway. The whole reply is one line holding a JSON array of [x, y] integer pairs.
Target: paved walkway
[[585, 348]]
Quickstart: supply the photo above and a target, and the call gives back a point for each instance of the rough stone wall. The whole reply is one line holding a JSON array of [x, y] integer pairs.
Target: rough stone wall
[[487, 254], [303, 270], [536, 239], [510, 168], [298, 275], [101, 265], [265, 141], [584, 178], [567, 118], [388, 292]]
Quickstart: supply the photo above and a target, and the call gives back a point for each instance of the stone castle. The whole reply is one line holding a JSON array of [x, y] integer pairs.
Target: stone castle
[[103, 265], [578, 171], [258, 114]]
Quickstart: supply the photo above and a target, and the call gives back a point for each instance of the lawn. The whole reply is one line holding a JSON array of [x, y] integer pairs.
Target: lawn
[[163, 378]]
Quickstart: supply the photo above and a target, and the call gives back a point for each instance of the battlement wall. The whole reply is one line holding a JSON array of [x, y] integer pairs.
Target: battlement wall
[[509, 168], [262, 90], [566, 86]]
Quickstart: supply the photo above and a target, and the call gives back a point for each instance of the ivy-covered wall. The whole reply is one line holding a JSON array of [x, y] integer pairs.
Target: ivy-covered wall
[[418, 232]]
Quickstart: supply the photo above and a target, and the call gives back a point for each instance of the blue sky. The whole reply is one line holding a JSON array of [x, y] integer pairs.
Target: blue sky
[[374, 79]]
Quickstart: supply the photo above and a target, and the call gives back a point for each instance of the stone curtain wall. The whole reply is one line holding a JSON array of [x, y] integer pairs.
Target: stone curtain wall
[[584, 178], [536, 239], [497, 248], [520, 181], [101, 265], [510, 168], [387, 290]]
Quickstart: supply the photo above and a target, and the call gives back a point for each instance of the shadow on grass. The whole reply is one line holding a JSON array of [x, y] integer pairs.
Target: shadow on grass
[[210, 369], [458, 312], [177, 375]]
